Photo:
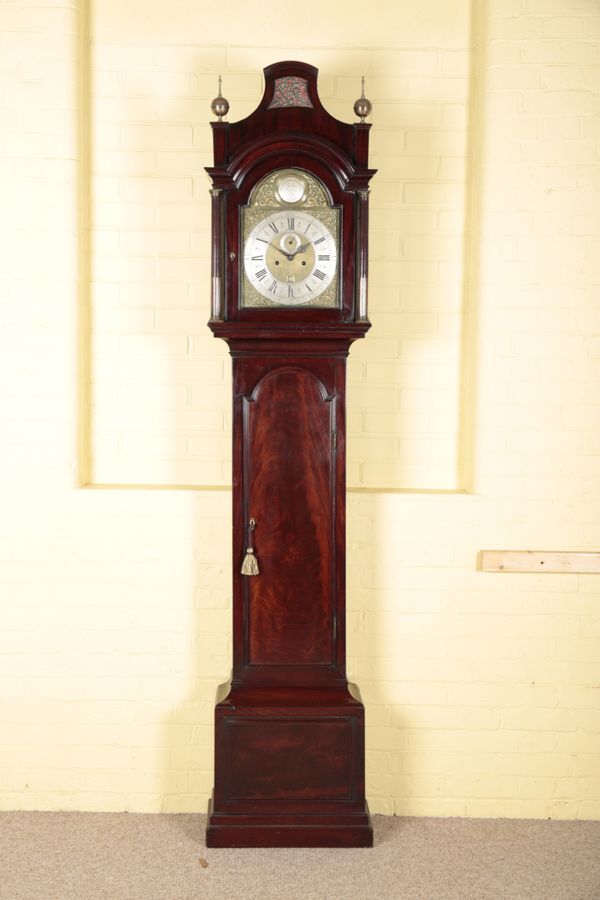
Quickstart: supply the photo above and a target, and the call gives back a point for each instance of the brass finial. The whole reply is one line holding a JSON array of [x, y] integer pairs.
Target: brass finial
[[363, 107], [220, 105]]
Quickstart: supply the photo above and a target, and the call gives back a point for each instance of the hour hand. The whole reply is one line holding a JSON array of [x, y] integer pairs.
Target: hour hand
[[283, 252]]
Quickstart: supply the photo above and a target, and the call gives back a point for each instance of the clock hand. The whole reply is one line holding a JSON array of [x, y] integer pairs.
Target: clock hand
[[300, 249], [283, 253]]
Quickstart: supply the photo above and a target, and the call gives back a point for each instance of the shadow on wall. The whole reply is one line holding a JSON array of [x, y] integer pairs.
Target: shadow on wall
[[204, 422], [205, 614], [391, 535], [159, 390], [401, 616], [411, 383]]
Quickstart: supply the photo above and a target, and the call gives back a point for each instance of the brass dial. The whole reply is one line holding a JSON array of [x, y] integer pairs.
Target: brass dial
[[290, 243]]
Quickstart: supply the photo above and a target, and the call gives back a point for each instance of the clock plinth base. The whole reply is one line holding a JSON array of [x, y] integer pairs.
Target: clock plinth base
[[289, 769], [271, 830]]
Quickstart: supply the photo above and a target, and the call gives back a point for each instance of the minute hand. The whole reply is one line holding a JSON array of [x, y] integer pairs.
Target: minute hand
[[301, 249]]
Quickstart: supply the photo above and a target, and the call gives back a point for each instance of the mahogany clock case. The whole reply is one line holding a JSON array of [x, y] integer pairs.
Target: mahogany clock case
[[289, 729]]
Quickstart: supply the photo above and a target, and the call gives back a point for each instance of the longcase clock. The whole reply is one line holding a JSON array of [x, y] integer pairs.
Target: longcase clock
[[289, 296]]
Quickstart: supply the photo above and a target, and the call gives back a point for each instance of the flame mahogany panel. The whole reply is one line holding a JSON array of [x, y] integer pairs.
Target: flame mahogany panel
[[289, 439]]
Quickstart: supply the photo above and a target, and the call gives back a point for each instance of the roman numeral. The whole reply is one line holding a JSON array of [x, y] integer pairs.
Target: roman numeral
[[318, 241], [290, 292], [319, 274], [256, 258], [324, 257], [291, 223], [273, 287], [263, 240], [262, 274], [274, 227]]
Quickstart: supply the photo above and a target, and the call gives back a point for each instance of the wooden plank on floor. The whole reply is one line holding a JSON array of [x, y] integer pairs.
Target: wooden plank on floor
[[583, 562]]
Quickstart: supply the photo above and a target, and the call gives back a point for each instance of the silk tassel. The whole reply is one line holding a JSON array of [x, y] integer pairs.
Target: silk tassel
[[250, 564]]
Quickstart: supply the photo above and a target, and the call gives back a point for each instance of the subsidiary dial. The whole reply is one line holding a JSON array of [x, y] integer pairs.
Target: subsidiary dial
[[290, 257]]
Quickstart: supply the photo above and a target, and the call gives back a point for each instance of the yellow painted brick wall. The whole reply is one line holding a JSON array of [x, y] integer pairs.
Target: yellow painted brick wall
[[473, 401]]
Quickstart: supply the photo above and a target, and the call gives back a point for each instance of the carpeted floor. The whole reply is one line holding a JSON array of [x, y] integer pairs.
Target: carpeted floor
[[121, 856]]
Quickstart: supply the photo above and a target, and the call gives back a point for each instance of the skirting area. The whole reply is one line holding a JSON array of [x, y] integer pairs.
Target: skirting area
[[122, 856]]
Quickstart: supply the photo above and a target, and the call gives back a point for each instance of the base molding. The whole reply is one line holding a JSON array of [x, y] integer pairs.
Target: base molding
[[272, 830]]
